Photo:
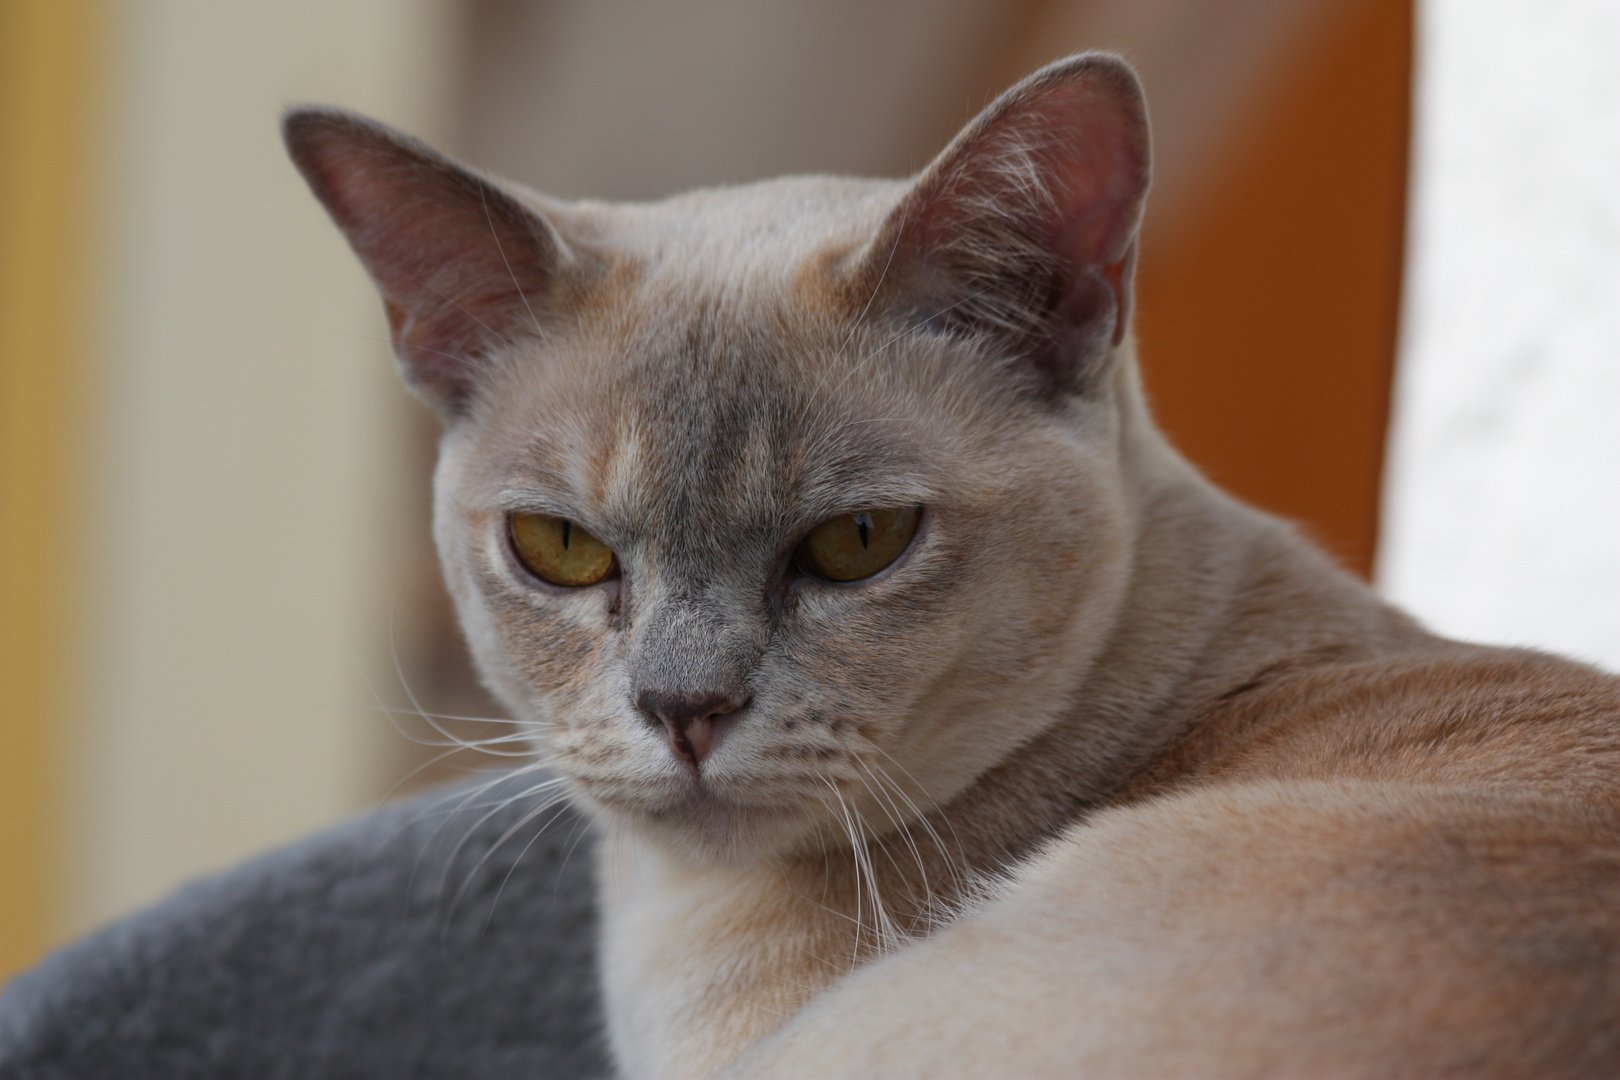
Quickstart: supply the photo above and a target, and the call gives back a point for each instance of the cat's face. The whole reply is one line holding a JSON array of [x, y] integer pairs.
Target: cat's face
[[700, 427], [698, 385]]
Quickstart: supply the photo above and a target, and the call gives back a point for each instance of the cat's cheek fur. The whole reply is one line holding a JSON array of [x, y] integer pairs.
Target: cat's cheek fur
[[1007, 680], [1015, 631], [536, 652]]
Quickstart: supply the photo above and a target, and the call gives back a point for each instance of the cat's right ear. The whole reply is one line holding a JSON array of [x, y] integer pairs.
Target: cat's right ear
[[1023, 230], [463, 268]]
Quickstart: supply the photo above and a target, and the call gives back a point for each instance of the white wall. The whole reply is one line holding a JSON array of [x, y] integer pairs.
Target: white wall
[[246, 500], [1502, 509]]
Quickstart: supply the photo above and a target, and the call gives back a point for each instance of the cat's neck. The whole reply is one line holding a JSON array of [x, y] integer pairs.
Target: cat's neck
[[1220, 594]]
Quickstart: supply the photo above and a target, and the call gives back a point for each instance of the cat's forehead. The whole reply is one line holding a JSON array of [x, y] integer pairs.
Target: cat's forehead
[[729, 237], [716, 311], [717, 401], [707, 372]]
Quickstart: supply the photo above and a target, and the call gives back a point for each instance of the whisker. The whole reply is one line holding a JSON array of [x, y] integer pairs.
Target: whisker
[[410, 692], [919, 816], [483, 195], [489, 852], [466, 799], [437, 759], [583, 829], [382, 708], [934, 803], [849, 829], [455, 743], [902, 829], [562, 809], [889, 813], [455, 852], [886, 935]]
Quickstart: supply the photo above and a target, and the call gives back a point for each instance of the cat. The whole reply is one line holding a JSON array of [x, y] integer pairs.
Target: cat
[[942, 720]]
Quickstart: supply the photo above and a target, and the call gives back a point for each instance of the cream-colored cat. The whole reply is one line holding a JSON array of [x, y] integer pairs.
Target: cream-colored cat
[[942, 720]]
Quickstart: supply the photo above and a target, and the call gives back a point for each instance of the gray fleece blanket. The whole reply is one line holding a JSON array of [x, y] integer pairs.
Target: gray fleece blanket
[[440, 937]]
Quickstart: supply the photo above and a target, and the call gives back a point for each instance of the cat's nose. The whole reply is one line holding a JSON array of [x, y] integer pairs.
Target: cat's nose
[[692, 722]]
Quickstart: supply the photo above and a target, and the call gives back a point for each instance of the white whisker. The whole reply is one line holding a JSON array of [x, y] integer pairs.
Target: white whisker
[[902, 829], [483, 197], [489, 852], [496, 899]]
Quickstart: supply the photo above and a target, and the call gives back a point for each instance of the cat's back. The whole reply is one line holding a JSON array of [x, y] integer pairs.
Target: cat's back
[[1407, 865], [1443, 714], [1301, 928]]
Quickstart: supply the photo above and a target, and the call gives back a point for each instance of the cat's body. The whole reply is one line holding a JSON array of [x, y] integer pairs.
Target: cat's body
[[1102, 773]]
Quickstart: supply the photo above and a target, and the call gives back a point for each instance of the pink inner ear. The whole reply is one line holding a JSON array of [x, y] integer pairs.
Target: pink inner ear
[[1024, 227], [462, 267], [1102, 185], [1061, 162]]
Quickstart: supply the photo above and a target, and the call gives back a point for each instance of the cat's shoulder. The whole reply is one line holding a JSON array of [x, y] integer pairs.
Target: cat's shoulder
[[1264, 917], [1447, 713]]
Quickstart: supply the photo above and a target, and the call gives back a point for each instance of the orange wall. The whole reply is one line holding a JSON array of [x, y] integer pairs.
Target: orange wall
[[1268, 315], [47, 98]]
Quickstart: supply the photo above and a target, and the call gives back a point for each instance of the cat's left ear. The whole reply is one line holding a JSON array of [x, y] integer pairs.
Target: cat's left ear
[[1024, 228], [464, 268]]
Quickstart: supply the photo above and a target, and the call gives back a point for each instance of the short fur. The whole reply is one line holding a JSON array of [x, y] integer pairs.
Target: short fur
[[1106, 773]]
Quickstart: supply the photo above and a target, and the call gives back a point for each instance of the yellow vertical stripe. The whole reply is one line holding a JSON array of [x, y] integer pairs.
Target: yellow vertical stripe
[[48, 68]]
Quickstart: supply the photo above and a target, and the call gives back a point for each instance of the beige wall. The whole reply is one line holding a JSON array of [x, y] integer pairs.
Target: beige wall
[[635, 98], [245, 494]]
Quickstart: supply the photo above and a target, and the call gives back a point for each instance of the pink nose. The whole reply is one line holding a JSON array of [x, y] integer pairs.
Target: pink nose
[[692, 723]]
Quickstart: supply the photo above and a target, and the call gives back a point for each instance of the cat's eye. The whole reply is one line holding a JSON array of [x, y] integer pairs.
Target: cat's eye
[[557, 550], [858, 545]]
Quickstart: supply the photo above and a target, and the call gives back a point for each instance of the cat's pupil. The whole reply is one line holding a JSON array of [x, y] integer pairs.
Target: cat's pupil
[[862, 522], [568, 527]]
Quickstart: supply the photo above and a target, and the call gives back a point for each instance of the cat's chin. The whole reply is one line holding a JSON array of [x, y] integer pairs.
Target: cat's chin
[[712, 827]]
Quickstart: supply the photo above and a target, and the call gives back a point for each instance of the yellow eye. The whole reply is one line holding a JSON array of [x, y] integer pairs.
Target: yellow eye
[[857, 545], [559, 551]]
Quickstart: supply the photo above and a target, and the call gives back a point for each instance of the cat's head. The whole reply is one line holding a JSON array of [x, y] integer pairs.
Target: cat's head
[[785, 503]]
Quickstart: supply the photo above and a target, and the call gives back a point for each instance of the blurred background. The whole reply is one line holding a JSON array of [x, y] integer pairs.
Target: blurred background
[[217, 575]]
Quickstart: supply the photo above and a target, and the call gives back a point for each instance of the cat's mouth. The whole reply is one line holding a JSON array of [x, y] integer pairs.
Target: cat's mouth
[[703, 814], [699, 802], [705, 804]]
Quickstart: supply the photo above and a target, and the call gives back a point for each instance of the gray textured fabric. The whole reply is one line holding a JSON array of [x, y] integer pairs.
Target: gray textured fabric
[[349, 954]]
